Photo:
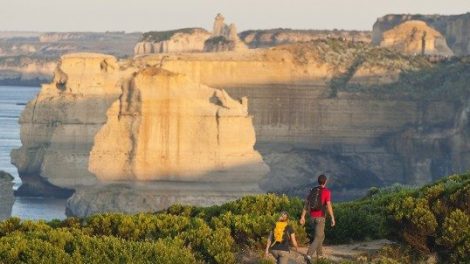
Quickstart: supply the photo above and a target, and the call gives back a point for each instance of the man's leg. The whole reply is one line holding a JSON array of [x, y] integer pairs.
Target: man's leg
[[321, 228], [319, 236]]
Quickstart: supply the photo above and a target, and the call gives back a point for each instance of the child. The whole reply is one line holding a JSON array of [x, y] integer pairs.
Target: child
[[278, 240]]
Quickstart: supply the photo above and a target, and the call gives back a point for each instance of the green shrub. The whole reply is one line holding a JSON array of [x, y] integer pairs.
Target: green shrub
[[433, 218], [60, 246], [456, 236]]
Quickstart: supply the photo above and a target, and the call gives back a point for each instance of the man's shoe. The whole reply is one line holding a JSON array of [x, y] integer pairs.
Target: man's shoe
[[308, 259]]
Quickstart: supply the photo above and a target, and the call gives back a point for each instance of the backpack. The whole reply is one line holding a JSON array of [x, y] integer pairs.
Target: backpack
[[279, 231], [314, 199]]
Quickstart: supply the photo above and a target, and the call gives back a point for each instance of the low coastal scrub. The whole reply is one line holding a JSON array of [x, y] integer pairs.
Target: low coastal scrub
[[435, 218], [157, 36]]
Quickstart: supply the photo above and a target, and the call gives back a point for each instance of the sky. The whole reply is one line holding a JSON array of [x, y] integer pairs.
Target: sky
[[146, 15]]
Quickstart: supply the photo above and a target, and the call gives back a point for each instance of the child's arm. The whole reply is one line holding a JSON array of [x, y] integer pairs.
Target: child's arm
[[294, 242]]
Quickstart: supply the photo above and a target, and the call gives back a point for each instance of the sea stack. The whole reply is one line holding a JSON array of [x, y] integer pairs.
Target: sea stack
[[104, 125]]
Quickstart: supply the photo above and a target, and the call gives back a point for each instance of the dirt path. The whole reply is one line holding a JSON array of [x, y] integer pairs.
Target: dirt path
[[336, 253]]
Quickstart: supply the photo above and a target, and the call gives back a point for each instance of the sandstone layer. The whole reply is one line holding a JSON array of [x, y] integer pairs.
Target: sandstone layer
[[455, 28], [6, 195], [416, 37]]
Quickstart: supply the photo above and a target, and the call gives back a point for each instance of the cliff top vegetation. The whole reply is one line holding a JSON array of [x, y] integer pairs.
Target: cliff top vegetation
[[157, 36], [415, 77], [434, 218]]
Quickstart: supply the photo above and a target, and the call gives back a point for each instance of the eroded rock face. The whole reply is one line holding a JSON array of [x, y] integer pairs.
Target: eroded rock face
[[361, 138], [58, 126], [455, 29], [26, 71], [224, 37], [336, 107], [416, 37], [183, 40], [101, 121], [166, 127], [6, 195]]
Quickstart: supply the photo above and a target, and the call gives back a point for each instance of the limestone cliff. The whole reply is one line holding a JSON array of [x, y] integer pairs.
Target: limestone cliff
[[59, 125], [337, 107], [455, 28], [166, 127], [6, 195], [224, 37], [416, 37], [101, 120], [365, 115], [181, 40], [29, 59], [25, 70]]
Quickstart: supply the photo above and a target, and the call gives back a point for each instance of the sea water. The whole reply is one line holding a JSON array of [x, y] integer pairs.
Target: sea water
[[13, 100]]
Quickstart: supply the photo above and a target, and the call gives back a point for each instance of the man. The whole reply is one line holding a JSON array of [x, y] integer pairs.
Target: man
[[316, 201], [279, 238]]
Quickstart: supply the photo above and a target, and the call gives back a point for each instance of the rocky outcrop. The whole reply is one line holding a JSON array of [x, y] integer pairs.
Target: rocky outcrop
[[29, 59], [6, 195], [101, 121], [170, 141], [336, 107], [454, 28], [181, 40], [224, 37], [416, 37], [281, 36], [26, 71], [366, 116], [148, 196], [166, 127], [59, 125]]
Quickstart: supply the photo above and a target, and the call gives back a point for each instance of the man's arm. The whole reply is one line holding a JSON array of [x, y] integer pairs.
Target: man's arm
[[268, 243], [302, 217], [330, 212], [304, 211]]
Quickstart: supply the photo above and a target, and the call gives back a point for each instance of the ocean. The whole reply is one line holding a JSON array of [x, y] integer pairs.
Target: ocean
[[12, 102]]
